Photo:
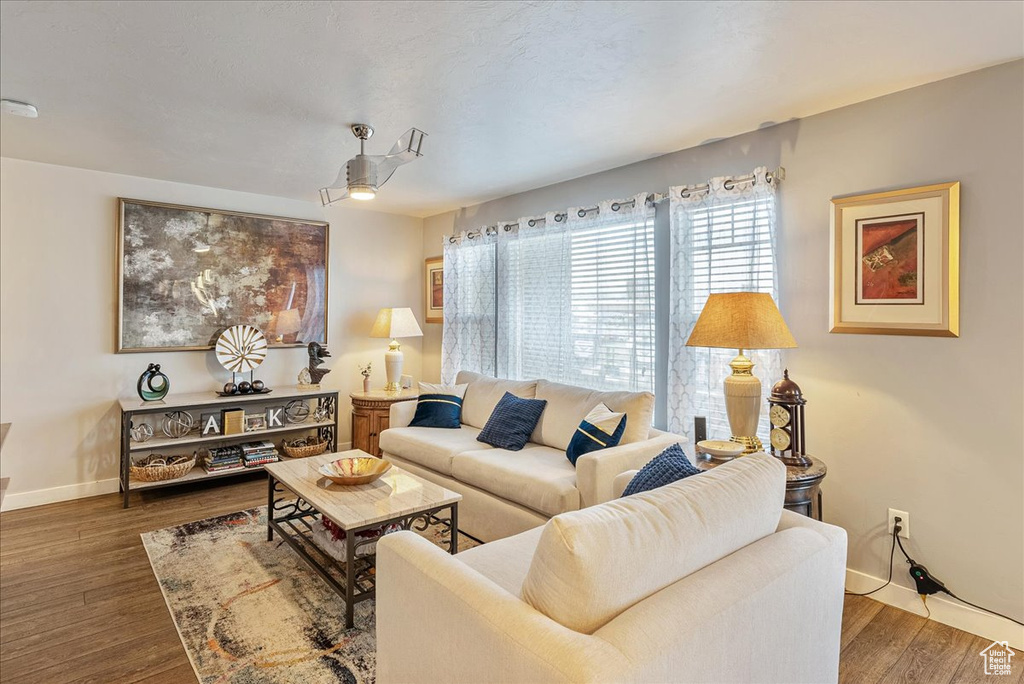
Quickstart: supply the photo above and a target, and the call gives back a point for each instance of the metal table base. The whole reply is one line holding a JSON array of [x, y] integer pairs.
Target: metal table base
[[354, 579]]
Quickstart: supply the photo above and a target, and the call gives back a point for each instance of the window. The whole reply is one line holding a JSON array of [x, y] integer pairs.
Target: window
[[573, 300], [584, 294]]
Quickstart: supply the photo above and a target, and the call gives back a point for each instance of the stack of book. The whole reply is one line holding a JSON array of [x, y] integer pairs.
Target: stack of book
[[257, 453], [220, 459]]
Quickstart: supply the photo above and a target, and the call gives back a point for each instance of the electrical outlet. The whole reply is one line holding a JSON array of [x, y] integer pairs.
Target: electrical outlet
[[904, 522]]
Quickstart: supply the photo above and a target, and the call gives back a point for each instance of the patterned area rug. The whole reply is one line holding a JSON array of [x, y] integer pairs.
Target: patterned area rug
[[250, 611]]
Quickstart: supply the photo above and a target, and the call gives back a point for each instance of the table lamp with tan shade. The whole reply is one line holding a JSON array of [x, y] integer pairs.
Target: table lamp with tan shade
[[395, 323], [742, 320]]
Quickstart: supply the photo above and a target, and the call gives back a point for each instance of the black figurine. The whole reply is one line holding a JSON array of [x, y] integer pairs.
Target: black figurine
[[316, 354]]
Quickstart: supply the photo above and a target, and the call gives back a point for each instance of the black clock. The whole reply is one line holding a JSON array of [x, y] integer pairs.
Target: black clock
[[786, 413]]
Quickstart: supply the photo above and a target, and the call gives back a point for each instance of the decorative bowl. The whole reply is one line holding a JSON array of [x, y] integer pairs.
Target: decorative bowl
[[355, 471], [720, 448]]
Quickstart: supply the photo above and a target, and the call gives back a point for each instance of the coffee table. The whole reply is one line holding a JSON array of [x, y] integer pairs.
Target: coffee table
[[297, 495]]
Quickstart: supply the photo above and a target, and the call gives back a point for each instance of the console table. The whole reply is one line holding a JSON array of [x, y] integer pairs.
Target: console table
[[135, 411]]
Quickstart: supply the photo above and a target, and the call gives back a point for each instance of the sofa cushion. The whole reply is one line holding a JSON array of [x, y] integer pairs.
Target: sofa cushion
[[484, 393], [439, 406], [505, 561], [537, 477], [430, 447], [568, 405], [512, 422], [600, 429], [592, 564], [671, 465]]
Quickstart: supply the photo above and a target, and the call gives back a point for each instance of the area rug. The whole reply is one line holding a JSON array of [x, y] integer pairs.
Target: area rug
[[249, 610]]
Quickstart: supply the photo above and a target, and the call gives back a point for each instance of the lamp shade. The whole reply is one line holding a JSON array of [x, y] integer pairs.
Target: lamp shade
[[741, 320], [288, 321], [392, 323]]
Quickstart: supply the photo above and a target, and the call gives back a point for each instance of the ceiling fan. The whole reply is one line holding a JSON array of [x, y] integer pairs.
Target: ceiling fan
[[363, 174]]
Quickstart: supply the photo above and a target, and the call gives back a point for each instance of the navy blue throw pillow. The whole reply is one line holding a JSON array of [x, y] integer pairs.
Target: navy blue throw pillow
[[600, 429], [512, 422], [665, 468], [439, 406]]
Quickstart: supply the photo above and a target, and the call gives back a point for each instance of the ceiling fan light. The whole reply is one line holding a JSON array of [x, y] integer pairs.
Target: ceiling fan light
[[359, 191]]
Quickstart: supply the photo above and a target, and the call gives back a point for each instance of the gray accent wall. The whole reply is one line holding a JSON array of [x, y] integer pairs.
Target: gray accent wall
[[931, 426]]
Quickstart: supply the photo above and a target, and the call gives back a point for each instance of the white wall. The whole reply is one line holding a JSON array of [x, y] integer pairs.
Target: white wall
[[926, 425], [59, 375]]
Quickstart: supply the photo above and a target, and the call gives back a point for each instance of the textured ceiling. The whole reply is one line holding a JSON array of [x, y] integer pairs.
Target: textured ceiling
[[257, 96]]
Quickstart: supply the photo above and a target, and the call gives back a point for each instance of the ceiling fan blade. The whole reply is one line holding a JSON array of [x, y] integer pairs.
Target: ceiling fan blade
[[332, 195], [406, 149]]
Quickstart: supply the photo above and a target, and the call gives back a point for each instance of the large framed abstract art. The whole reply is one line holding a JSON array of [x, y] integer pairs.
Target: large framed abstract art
[[896, 262], [186, 273]]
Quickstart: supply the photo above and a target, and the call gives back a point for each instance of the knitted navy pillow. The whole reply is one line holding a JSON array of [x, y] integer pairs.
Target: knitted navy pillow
[[665, 468], [512, 422]]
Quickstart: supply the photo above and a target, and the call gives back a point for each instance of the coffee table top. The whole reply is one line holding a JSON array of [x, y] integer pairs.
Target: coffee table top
[[394, 494]]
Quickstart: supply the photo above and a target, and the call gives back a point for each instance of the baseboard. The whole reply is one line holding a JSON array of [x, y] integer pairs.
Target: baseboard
[[38, 497], [944, 609]]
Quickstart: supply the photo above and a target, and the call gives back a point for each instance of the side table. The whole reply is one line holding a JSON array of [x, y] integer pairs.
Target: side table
[[803, 485], [371, 415]]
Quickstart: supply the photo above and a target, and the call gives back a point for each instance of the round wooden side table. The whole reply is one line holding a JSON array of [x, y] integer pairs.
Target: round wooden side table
[[371, 415], [803, 485]]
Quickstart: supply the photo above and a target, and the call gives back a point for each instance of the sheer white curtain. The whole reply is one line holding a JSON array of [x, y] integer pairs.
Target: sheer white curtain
[[569, 298], [722, 240], [469, 338]]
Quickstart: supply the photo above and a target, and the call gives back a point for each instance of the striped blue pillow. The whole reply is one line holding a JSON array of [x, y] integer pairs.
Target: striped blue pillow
[[602, 428], [439, 406], [665, 468], [512, 422]]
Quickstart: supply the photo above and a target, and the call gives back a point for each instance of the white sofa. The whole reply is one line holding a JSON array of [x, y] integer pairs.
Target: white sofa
[[703, 580], [508, 492]]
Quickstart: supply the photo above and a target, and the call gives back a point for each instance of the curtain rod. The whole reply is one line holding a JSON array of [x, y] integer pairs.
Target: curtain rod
[[777, 174], [769, 176], [652, 198]]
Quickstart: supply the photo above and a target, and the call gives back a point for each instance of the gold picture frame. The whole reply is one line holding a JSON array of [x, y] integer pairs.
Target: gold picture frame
[[895, 266], [433, 287]]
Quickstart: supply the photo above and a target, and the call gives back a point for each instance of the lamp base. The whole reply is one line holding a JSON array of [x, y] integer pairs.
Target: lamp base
[[750, 444], [393, 366], [743, 404]]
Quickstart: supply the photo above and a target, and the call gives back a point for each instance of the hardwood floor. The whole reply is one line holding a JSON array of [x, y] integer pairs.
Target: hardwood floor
[[79, 603]]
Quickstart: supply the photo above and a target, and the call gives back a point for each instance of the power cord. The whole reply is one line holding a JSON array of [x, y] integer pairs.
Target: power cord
[[892, 552], [928, 585]]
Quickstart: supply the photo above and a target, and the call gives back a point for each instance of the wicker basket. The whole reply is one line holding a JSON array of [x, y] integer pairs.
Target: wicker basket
[[154, 468], [305, 450]]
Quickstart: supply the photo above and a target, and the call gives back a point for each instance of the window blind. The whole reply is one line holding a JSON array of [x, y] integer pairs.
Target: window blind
[[577, 302]]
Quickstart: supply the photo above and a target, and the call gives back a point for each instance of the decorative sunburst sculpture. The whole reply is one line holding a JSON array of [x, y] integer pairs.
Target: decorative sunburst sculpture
[[241, 348]]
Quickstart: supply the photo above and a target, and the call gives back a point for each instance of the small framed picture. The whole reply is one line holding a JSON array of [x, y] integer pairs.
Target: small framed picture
[[896, 262], [255, 421], [434, 287]]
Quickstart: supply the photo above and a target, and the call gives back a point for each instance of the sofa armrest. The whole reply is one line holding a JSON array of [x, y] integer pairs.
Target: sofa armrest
[[621, 480], [484, 634], [596, 471], [402, 413]]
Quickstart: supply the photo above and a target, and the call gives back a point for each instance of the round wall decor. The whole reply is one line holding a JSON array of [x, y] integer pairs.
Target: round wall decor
[[241, 348]]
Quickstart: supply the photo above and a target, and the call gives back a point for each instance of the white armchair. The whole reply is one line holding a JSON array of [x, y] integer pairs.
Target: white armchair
[[767, 611]]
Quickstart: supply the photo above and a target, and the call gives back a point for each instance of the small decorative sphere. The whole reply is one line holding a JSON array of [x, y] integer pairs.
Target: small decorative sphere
[[257, 386], [244, 387], [230, 388]]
